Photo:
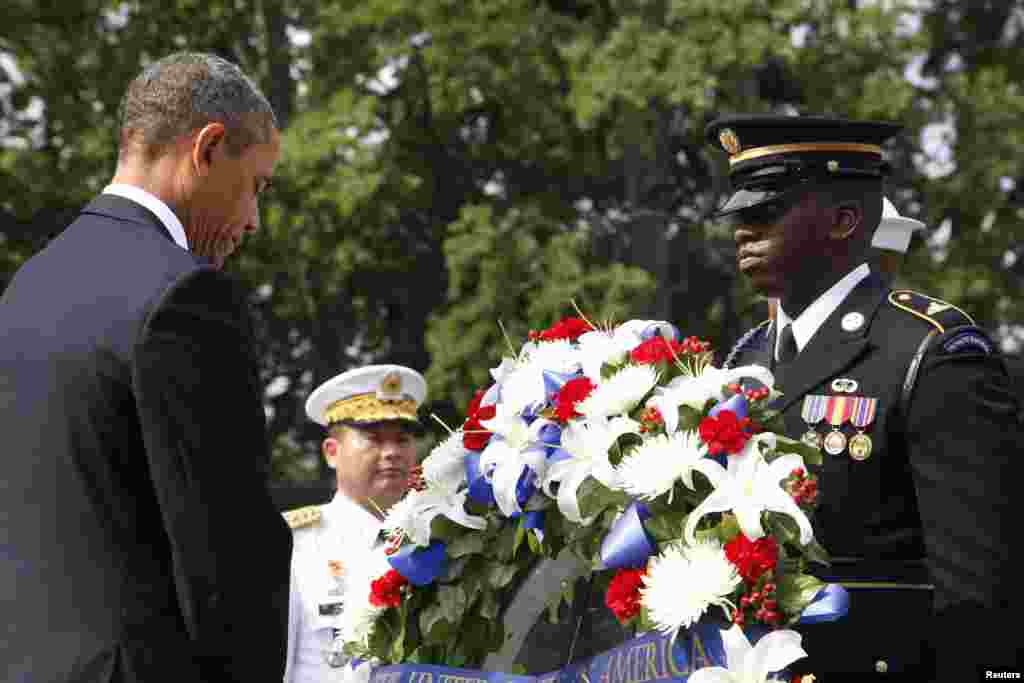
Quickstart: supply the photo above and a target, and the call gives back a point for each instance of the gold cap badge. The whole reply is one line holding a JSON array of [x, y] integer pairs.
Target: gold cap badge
[[730, 141], [390, 387]]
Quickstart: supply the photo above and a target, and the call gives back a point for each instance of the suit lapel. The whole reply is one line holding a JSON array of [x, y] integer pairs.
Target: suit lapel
[[832, 349]]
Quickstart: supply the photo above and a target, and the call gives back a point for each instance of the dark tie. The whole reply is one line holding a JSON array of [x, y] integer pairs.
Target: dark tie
[[787, 345]]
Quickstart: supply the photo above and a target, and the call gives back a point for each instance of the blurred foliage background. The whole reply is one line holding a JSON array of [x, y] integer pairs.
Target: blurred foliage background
[[449, 164]]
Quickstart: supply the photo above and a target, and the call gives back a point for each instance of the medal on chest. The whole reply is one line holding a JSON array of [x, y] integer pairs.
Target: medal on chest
[[812, 412], [862, 416], [837, 412]]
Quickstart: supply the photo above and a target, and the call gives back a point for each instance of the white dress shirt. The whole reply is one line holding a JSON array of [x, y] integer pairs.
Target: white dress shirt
[[154, 204], [344, 528], [808, 322]]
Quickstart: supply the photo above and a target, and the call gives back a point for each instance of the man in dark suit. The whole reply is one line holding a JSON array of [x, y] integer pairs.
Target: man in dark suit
[[907, 397], [139, 540]]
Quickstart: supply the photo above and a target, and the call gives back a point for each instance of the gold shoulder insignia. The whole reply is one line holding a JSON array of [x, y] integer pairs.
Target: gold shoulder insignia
[[941, 314], [301, 517]]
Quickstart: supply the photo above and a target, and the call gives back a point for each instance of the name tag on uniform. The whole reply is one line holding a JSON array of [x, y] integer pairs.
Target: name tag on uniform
[[331, 609]]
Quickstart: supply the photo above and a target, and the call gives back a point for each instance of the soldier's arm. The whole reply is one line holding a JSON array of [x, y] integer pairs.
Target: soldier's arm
[[963, 436]]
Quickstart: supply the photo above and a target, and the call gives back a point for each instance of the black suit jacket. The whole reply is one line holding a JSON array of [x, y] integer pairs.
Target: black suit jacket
[[139, 540], [920, 531]]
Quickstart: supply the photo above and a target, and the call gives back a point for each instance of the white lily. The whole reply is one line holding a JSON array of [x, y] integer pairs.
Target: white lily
[[652, 468], [620, 393], [522, 384], [588, 443], [417, 510], [694, 391], [515, 447], [752, 663], [750, 486]]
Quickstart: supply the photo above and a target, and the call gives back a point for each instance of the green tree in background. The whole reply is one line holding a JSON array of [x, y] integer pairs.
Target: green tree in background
[[452, 164]]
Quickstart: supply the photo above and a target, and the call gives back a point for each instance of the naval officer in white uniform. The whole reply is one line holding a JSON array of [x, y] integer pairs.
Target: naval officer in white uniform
[[370, 416]]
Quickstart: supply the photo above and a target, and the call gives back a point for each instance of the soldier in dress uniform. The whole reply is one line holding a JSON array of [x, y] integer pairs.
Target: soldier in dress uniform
[[906, 395], [371, 421]]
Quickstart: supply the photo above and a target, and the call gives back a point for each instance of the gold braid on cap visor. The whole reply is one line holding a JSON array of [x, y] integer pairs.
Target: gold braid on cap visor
[[755, 152], [369, 408]]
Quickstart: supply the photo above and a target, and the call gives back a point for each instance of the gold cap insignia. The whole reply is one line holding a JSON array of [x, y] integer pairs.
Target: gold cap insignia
[[730, 141], [390, 387]]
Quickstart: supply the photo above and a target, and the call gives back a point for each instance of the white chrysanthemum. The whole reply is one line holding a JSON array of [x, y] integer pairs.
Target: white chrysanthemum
[[682, 582], [653, 468], [445, 467], [414, 514], [620, 393], [752, 664], [695, 391]]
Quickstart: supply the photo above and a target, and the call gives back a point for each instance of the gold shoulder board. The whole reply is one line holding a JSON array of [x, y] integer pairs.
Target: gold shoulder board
[[941, 314], [301, 517]]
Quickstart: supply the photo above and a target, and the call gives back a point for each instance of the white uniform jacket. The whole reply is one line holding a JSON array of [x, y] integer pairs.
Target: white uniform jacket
[[326, 538]]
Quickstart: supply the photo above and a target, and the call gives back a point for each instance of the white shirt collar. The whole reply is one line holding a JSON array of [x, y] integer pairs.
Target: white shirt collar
[[154, 204], [808, 322], [356, 518]]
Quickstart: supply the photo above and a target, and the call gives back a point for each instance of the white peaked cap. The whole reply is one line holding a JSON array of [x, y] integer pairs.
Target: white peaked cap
[[369, 394]]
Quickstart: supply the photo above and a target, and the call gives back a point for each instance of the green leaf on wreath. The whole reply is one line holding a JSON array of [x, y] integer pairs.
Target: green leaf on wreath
[[810, 454], [783, 527], [521, 533], [432, 620], [689, 418], [453, 570], [795, 591], [666, 527], [488, 607], [500, 575], [534, 543], [453, 602], [466, 544], [443, 529], [815, 552], [593, 497]]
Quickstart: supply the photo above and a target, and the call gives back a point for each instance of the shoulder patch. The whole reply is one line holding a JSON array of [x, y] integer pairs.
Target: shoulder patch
[[968, 340], [939, 313], [747, 341], [301, 517]]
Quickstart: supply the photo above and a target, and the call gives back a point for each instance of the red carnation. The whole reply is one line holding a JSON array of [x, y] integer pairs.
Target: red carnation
[[571, 393], [387, 590], [566, 328], [474, 436], [657, 349], [623, 594], [724, 433], [752, 558]]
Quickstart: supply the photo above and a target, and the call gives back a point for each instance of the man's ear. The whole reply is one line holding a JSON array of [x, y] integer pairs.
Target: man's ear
[[205, 144], [849, 217], [329, 448]]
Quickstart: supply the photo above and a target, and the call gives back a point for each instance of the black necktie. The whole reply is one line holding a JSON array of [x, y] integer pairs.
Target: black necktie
[[787, 345]]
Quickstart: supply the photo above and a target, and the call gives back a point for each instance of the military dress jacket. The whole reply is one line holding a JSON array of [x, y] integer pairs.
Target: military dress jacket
[[327, 539], [919, 530]]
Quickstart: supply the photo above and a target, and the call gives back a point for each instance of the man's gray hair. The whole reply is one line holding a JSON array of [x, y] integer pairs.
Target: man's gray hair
[[185, 91]]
